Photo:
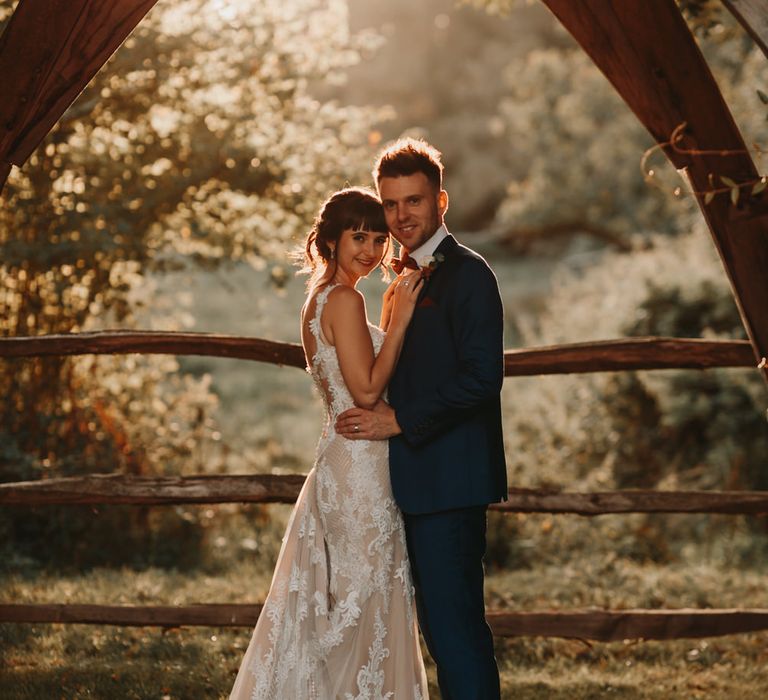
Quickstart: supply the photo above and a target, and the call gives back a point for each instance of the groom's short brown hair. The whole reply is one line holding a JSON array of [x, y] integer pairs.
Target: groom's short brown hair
[[408, 156]]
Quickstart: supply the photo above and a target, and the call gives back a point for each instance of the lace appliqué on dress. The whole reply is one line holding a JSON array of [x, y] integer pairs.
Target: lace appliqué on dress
[[341, 597]]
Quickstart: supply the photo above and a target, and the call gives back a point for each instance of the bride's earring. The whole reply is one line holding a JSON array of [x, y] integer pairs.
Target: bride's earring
[[333, 253]]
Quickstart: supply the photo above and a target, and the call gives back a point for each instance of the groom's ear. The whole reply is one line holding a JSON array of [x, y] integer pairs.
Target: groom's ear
[[442, 202]]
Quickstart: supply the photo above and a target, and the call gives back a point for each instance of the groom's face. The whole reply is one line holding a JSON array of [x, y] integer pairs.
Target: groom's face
[[413, 208]]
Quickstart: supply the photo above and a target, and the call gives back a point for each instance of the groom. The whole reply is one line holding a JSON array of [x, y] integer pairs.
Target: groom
[[443, 421]]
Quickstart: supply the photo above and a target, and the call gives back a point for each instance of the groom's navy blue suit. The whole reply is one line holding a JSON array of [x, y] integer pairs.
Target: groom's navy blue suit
[[448, 463]]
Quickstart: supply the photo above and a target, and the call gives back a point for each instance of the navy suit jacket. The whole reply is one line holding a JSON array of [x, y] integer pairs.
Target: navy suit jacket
[[446, 390]]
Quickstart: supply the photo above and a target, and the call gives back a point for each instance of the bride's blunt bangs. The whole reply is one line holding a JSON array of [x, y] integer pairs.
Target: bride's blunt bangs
[[355, 208], [365, 215]]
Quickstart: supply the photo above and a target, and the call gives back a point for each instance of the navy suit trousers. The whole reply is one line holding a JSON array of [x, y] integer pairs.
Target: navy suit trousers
[[446, 551]]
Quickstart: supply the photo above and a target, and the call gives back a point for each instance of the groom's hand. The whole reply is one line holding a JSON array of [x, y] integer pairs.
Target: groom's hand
[[363, 424]]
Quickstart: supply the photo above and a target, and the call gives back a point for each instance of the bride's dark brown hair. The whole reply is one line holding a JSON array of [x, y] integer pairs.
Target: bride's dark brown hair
[[357, 208]]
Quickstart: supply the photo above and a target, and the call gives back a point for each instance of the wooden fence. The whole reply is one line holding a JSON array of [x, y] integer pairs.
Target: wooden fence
[[123, 489], [600, 625], [571, 358]]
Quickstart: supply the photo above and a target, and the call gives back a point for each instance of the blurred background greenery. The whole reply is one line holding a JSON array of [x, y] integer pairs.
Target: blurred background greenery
[[170, 193]]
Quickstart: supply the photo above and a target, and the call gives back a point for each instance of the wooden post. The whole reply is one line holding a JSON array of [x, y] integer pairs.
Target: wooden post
[[648, 53]]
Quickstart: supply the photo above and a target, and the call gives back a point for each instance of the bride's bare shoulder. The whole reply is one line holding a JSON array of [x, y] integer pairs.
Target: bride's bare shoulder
[[340, 300], [344, 308], [344, 299]]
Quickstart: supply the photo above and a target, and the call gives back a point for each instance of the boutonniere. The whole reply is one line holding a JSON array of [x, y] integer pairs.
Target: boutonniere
[[429, 265]]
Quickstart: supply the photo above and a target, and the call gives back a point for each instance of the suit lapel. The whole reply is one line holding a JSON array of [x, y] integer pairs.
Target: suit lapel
[[447, 247]]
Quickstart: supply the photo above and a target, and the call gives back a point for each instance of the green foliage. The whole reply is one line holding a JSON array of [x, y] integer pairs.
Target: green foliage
[[670, 429], [582, 146], [675, 288], [199, 144], [663, 429], [78, 538], [504, 548]]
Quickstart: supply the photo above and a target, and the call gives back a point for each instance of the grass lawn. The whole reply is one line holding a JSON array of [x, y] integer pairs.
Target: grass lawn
[[86, 661], [90, 661]]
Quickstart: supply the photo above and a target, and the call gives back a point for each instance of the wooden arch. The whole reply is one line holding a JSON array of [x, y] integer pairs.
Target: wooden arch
[[51, 49]]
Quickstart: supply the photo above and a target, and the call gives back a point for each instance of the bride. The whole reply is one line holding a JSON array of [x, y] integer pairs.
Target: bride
[[339, 620]]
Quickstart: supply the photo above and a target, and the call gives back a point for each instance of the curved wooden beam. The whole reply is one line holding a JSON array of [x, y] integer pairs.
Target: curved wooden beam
[[49, 51], [753, 16], [648, 53]]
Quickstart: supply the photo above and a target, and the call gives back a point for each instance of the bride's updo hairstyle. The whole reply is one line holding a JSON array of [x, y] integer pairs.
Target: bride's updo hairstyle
[[357, 208]]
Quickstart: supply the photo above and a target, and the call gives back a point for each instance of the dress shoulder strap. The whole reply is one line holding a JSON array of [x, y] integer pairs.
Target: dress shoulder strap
[[314, 324]]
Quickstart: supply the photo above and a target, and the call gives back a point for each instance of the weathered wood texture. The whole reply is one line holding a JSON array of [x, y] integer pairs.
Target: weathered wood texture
[[271, 488], [753, 15], [117, 342], [120, 488], [634, 501], [600, 356], [617, 625], [135, 615], [599, 625], [648, 53], [49, 51], [628, 354]]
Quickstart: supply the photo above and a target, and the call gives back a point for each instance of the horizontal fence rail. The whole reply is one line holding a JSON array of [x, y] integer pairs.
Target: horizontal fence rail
[[284, 488], [629, 354], [149, 342], [598, 625], [599, 356]]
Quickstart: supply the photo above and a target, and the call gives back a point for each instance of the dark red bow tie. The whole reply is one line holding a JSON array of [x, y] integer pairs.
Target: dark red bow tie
[[406, 261]]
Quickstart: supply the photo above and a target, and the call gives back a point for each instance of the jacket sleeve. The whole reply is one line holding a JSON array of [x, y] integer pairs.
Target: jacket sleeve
[[478, 329]]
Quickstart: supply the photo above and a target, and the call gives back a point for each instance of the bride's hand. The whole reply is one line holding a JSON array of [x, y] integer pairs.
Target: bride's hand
[[405, 292]]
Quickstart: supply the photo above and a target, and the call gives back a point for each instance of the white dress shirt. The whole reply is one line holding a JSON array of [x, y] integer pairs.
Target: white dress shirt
[[424, 252]]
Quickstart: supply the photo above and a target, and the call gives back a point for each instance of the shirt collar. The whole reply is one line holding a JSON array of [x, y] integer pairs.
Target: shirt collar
[[427, 249]]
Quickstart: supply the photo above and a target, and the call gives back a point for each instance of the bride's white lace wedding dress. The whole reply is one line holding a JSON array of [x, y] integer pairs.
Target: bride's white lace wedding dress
[[339, 620]]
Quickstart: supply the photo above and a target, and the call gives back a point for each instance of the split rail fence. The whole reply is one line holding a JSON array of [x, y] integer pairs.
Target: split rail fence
[[601, 625], [651, 58]]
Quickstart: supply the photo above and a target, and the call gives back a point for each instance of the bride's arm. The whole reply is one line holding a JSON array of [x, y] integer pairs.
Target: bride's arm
[[366, 374]]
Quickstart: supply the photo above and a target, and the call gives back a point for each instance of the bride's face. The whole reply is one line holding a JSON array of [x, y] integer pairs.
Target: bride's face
[[359, 251]]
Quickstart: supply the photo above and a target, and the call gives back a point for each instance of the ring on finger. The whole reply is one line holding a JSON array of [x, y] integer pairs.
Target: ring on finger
[[357, 428]]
